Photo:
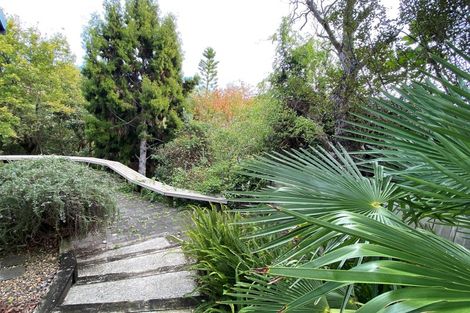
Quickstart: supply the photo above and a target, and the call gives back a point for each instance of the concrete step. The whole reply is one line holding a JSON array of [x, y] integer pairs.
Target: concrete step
[[184, 306], [162, 261], [126, 251], [144, 276], [162, 291], [126, 311]]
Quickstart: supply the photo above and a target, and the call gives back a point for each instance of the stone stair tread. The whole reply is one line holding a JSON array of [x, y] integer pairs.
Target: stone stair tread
[[82, 309], [152, 261], [171, 311], [124, 310], [164, 311], [162, 286], [150, 244]]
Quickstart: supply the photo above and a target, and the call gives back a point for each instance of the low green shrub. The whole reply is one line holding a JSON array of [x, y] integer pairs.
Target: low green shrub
[[206, 155], [290, 130], [219, 178], [189, 148], [51, 197], [223, 259]]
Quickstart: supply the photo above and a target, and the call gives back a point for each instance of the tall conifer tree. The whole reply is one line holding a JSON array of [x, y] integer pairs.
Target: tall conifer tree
[[133, 80], [208, 69]]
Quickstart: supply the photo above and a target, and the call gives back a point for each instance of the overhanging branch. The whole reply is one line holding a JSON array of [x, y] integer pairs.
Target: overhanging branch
[[321, 20]]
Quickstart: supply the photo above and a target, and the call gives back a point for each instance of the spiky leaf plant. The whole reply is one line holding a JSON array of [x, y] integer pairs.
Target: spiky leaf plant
[[422, 136], [350, 227]]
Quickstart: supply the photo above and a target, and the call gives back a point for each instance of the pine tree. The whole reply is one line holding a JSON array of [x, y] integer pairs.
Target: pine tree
[[133, 80], [208, 70]]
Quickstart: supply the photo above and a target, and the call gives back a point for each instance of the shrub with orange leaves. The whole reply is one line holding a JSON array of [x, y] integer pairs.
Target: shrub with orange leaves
[[222, 104]]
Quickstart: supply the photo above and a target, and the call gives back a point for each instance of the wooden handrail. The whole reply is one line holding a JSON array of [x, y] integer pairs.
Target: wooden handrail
[[130, 175]]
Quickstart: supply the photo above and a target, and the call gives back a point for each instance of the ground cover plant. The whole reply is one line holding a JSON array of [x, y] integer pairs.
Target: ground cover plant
[[52, 196]]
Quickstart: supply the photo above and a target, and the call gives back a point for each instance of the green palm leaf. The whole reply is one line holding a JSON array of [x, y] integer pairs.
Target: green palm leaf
[[433, 269], [315, 183], [263, 295], [422, 137], [344, 227]]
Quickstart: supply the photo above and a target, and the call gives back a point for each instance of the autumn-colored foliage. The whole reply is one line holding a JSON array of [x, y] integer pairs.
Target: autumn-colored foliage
[[222, 104]]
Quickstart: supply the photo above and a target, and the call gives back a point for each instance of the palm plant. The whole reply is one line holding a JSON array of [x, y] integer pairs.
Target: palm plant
[[345, 226], [422, 135]]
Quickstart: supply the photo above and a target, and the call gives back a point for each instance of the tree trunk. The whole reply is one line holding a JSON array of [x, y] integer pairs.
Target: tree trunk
[[143, 156], [345, 89], [341, 96], [341, 107]]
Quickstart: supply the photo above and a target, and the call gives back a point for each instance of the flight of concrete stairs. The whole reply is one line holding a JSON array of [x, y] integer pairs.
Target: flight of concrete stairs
[[143, 276]]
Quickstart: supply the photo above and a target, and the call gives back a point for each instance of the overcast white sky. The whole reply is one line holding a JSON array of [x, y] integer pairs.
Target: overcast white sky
[[238, 30]]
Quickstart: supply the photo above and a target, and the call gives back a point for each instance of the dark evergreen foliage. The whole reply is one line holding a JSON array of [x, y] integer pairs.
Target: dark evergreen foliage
[[133, 80]]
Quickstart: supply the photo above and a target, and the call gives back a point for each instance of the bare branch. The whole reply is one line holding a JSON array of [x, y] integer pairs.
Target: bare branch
[[318, 16], [323, 36], [328, 8], [305, 15]]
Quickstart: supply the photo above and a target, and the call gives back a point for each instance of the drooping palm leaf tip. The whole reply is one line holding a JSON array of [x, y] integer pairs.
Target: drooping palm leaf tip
[[348, 232]]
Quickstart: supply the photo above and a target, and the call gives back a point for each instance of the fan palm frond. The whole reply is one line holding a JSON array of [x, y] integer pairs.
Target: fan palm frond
[[433, 271], [422, 137]]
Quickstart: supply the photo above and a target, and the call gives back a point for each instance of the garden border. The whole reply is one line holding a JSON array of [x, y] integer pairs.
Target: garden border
[[67, 275], [130, 175]]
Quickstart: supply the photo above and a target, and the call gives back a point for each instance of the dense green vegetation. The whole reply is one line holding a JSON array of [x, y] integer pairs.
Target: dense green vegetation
[[43, 198], [223, 259], [342, 219], [350, 148], [348, 229], [229, 126], [41, 105], [133, 80]]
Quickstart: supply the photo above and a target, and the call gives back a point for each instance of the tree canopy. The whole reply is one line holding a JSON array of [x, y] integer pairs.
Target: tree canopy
[[432, 25], [41, 105], [133, 80], [347, 25], [304, 73]]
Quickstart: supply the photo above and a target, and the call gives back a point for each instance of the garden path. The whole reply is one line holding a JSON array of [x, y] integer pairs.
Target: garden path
[[135, 265]]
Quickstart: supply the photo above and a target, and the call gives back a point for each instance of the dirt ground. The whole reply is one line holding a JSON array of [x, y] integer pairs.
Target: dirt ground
[[23, 294]]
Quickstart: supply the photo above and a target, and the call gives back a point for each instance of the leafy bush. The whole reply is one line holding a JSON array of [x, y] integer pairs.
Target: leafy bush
[[290, 130], [303, 76], [188, 149], [51, 196], [222, 258], [206, 155], [221, 104]]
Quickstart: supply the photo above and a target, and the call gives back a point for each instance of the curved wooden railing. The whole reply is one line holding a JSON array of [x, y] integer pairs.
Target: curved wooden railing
[[130, 175]]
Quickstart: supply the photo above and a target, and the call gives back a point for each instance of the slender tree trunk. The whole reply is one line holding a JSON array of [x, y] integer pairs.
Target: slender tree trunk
[[341, 107], [143, 156], [344, 47], [344, 91]]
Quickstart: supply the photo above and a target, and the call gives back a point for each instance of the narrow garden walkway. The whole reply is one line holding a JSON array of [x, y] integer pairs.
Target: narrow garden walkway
[[130, 175], [136, 265]]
